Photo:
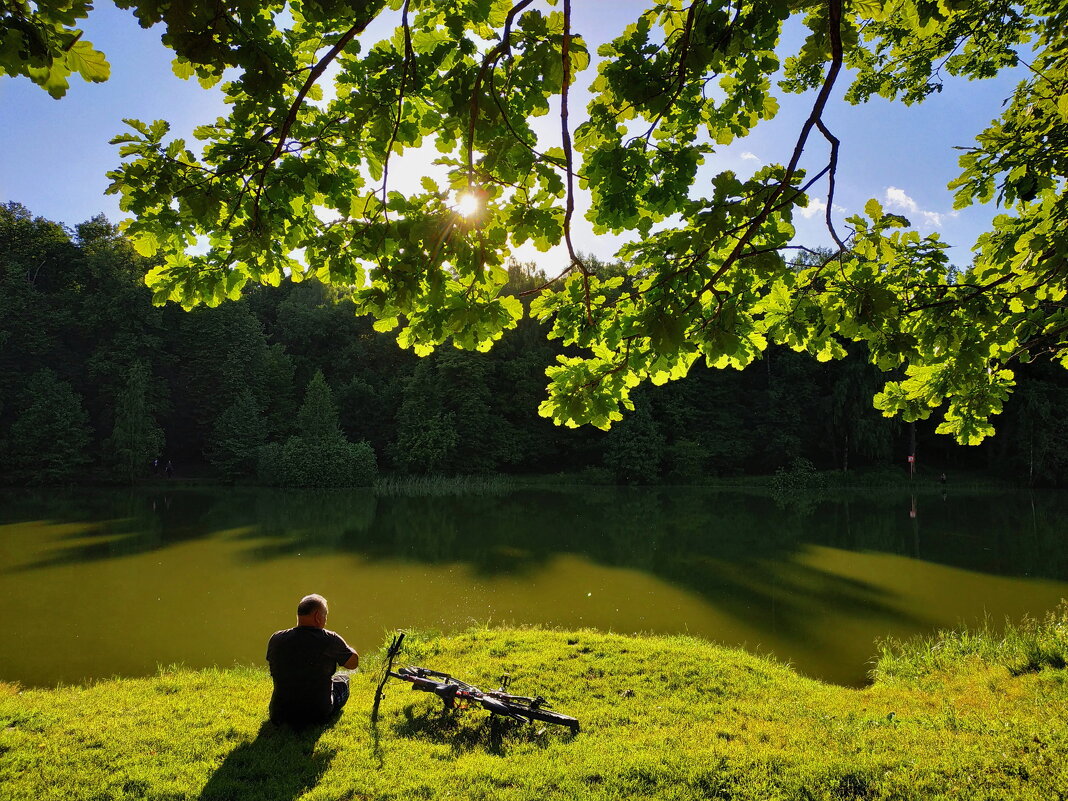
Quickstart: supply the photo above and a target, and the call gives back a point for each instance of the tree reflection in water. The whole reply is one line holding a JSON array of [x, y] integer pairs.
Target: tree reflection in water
[[768, 563]]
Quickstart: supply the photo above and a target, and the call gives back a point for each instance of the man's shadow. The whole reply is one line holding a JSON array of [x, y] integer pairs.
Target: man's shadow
[[279, 765]]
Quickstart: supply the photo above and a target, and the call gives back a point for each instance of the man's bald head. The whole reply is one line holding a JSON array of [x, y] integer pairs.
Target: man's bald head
[[312, 611]]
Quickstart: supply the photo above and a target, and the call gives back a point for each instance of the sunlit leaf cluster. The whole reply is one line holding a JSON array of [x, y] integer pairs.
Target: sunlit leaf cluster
[[39, 41], [301, 178]]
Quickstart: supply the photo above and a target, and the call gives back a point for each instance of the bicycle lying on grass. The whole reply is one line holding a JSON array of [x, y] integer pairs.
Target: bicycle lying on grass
[[457, 694]]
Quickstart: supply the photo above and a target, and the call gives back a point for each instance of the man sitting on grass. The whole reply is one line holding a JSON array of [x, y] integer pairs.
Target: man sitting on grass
[[303, 660]]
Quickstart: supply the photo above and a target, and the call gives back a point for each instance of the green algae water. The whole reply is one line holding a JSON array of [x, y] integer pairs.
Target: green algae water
[[95, 584]]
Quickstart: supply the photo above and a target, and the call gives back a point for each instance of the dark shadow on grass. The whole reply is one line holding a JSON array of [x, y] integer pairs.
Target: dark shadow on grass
[[472, 731], [279, 765]]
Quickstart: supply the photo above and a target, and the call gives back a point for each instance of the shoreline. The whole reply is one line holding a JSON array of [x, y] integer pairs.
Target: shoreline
[[964, 713]]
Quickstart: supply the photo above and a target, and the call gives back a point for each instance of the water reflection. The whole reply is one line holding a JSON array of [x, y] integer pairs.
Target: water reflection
[[201, 577]]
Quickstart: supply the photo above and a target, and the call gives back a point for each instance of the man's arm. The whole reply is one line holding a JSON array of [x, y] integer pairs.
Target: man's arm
[[270, 645], [343, 653]]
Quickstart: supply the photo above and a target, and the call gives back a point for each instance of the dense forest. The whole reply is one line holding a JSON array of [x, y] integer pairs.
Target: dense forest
[[289, 386]]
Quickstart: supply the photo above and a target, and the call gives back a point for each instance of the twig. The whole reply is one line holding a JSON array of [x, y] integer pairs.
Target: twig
[[569, 209], [835, 22], [409, 57], [491, 59], [298, 101]]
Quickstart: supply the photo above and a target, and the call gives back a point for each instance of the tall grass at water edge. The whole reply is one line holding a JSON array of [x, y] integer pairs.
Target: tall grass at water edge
[[1025, 647], [410, 486]]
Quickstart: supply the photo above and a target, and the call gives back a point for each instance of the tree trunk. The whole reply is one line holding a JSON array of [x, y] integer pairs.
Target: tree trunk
[[912, 448]]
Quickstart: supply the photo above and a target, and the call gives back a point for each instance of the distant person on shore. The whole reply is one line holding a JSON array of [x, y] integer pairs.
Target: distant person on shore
[[169, 469], [303, 660]]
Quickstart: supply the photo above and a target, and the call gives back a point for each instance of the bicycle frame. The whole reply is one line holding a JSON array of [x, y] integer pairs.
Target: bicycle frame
[[498, 702]]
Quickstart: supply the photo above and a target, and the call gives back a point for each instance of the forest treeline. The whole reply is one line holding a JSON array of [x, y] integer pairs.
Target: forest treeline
[[288, 386]]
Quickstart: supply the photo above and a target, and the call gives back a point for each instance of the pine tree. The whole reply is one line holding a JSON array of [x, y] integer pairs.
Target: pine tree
[[319, 456], [237, 436], [635, 447], [49, 440], [136, 439], [278, 391], [427, 439], [317, 420]]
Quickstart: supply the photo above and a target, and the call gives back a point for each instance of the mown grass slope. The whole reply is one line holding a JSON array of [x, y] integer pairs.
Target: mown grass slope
[[662, 717]]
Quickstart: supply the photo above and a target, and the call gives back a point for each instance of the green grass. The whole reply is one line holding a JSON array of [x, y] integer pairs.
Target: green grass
[[662, 718], [1026, 647]]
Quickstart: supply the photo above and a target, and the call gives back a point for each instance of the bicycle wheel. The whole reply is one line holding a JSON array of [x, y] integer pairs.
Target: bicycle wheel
[[530, 712], [549, 716]]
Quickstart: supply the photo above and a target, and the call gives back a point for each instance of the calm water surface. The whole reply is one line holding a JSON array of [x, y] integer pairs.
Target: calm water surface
[[96, 584]]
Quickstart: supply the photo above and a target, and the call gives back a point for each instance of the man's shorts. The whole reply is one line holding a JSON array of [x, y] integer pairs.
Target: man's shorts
[[339, 690]]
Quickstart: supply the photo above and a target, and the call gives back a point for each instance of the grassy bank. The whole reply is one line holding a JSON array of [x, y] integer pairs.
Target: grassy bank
[[662, 717]]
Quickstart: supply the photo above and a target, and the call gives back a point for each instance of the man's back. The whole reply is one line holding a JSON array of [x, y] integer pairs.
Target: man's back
[[303, 660]]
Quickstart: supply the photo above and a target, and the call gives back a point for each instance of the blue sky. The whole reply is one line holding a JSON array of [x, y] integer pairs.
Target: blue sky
[[56, 152]]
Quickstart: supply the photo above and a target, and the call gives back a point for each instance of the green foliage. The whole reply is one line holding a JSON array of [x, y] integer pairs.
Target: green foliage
[[425, 444], [49, 439], [136, 439], [278, 389], [800, 476], [711, 284], [77, 305], [32, 251], [320, 463], [851, 422], [317, 418], [706, 277], [270, 468], [223, 353], [446, 423], [635, 447], [1035, 444], [39, 41], [362, 410], [685, 461], [320, 456], [441, 486], [238, 434]]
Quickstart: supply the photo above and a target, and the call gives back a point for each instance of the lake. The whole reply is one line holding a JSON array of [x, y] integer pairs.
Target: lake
[[98, 583]]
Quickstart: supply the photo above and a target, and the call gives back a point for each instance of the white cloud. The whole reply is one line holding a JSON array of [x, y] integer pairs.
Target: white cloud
[[817, 206], [899, 199], [747, 156]]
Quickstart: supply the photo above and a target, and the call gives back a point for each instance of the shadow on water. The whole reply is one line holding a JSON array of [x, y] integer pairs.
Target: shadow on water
[[733, 551], [738, 551], [279, 765], [777, 568], [993, 532]]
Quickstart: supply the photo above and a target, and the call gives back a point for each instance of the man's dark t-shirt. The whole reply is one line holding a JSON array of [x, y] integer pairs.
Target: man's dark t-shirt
[[303, 660]]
